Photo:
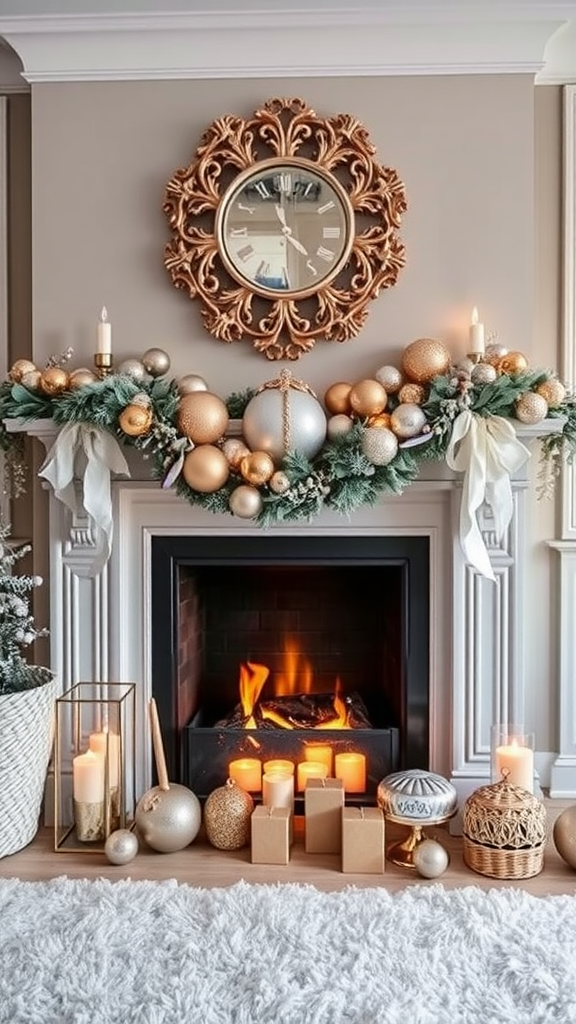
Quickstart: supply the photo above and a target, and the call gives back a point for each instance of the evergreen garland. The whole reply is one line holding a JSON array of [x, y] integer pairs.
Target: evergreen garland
[[17, 628]]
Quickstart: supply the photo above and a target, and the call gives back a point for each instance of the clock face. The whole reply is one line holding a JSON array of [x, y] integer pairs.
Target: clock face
[[285, 227]]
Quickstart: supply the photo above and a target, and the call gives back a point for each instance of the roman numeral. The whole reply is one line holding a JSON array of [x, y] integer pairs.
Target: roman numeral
[[285, 182], [326, 207], [262, 189], [245, 253], [330, 232], [239, 232], [325, 254]]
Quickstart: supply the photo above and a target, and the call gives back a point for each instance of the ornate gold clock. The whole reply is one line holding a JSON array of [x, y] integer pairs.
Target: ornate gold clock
[[284, 227]]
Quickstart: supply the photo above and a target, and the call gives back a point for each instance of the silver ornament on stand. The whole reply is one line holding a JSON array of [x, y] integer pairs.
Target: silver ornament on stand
[[191, 382], [133, 368], [168, 816], [121, 846], [284, 415], [156, 361]]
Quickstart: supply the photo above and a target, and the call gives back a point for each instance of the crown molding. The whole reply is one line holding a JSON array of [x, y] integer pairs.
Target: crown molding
[[403, 40]]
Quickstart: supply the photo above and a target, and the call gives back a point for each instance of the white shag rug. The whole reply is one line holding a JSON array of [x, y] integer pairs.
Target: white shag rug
[[100, 952]]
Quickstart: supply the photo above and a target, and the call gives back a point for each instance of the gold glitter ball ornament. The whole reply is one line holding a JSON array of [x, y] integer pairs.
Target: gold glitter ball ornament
[[424, 359], [245, 501], [390, 378], [339, 425], [512, 362], [368, 397], [553, 391], [531, 408], [407, 420], [257, 467], [205, 469], [379, 445], [415, 393], [381, 419], [279, 482], [564, 835], [227, 814], [81, 377], [19, 368], [191, 382], [202, 416], [31, 379], [135, 420], [337, 398], [234, 450], [156, 361], [54, 381]]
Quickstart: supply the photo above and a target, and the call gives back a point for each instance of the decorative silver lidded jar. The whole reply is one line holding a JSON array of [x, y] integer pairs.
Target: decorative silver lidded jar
[[415, 797]]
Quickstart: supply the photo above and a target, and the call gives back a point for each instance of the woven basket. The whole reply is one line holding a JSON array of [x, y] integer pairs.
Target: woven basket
[[504, 832], [26, 735]]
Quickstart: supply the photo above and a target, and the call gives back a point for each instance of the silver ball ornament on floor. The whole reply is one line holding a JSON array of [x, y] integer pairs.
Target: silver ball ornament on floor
[[121, 846], [168, 819], [156, 361], [430, 858]]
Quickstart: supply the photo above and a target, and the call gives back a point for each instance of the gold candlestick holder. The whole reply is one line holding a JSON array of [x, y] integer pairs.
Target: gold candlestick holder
[[475, 357], [103, 364]]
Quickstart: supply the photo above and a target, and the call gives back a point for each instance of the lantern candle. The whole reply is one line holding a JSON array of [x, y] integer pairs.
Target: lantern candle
[[278, 790], [310, 770], [515, 763], [247, 773], [279, 765], [351, 768], [321, 753], [88, 778], [98, 742]]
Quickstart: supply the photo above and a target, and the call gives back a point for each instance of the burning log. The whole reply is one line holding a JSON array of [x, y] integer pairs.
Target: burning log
[[301, 711]]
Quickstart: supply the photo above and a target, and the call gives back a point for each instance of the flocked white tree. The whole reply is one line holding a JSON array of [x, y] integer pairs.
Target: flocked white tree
[[17, 629]]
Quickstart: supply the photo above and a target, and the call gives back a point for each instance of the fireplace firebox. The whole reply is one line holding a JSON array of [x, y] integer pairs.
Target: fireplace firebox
[[337, 624]]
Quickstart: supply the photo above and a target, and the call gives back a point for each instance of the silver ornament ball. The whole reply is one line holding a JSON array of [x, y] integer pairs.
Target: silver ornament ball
[[191, 382], [245, 501], [339, 425], [390, 377], [379, 445], [483, 373], [430, 858], [121, 846], [407, 420], [279, 482], [156, 361], [133, 368], [276, 422], [168, 819]]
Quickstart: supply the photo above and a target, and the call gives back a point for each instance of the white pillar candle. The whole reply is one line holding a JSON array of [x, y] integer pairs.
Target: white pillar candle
[[320, 752], [515, 763], [247, 773], [278, 790], [279, 765], [97, 743], [88, 778], [309, 770], [475, 335], [104, 335], [351, 768]]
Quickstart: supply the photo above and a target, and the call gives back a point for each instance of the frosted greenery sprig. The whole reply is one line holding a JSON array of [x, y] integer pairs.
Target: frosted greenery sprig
[[17, 629]]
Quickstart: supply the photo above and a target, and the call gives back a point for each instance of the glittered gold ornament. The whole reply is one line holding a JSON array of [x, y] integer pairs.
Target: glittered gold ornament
[[279, 482], [284, 415], [257, 467], [191, 382], [415, 393], [53, 381], [513, 362], [202, 416], [337, 397], [19, 368], [339, 425], [379, 445], [245, 501], [133, 368], [531, 407], [381, 419], [368, 397], [424, 359], [407, 420], [135, 420], [430, 858], [156, 361], [564, 835], [483, 373], [81, 377], [205, 469], [234, 450], [31, 379], [553, 391], [227, 814], [390, 378]]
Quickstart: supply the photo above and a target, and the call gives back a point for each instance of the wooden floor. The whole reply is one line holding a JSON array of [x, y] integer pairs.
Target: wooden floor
[[202, 865]]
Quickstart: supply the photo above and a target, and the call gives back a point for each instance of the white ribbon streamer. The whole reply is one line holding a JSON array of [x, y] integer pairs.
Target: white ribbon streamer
[[104, 456], [487, 451]]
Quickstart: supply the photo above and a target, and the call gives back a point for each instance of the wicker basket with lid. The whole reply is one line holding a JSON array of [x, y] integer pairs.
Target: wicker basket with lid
[[504, 832]]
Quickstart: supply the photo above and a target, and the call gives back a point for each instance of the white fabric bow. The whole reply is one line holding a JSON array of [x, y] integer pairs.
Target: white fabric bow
[[487, 451], [103, 456]]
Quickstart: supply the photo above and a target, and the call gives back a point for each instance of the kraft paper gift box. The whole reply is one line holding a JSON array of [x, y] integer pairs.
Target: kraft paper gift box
[[323, 803], [363, 840], [270, 827]]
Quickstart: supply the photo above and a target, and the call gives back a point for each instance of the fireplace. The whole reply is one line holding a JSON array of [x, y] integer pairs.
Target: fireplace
[[329, 621]]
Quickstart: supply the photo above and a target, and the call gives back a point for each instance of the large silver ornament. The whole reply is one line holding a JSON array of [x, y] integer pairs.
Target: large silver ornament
[[133, 368], [284, 416], [156, 361], [191, 382], [121, 846], [168, 819], [379, 445], [407, 420], [245, 501]]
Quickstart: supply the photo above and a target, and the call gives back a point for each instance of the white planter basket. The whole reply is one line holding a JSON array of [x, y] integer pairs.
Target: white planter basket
[[26, 737]]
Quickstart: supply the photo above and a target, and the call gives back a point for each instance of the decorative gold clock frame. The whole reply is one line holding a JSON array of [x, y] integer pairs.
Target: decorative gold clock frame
[[284, 227]]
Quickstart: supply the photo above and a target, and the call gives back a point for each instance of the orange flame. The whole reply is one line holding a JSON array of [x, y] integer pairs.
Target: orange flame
[[252, 679], [297, 676], [341, 719]]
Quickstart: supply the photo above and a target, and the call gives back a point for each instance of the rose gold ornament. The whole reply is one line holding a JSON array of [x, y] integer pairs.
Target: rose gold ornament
[[19, 368], [191, 382], [234, 450], [135, 420], [257, 467], [156, 362], [513, 362], [368, 397], [279, 482], [227, 814], [202, 416], [379, 445], [424, 359], [337, 398], [31, 379], [245, 501], [531, 408], [415, 393], [553, 391], [407, 420], [339, 425], [205, 469], [81, 377], [54, 381], [390, 378]]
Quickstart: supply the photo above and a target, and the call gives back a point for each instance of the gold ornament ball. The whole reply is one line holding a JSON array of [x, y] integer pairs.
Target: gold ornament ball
[[339, 425], [379, 445], [54, 381], [553, 391], [234, 450], [191, 382], [257, 467], [512, 362], [424, 359], [564, 835], [202, 416], [337, 398], [31, 379], [430, 858], [205, 469], [245, 501], [414, 393], [134, 420], [279, 482], [81, 377], [483, 373], [227, 814], [368, 397], [156, 361], [531, 408], [381, 419], [19, 368], [121, 846], [390, 378], [407, 420]]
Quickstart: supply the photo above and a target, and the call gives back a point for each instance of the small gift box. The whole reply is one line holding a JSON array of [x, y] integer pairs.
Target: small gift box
[[270, 835], [363, 840], [323, 803]]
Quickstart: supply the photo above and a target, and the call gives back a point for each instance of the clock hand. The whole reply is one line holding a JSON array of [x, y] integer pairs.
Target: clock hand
[[294, 241], [281, 214]]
